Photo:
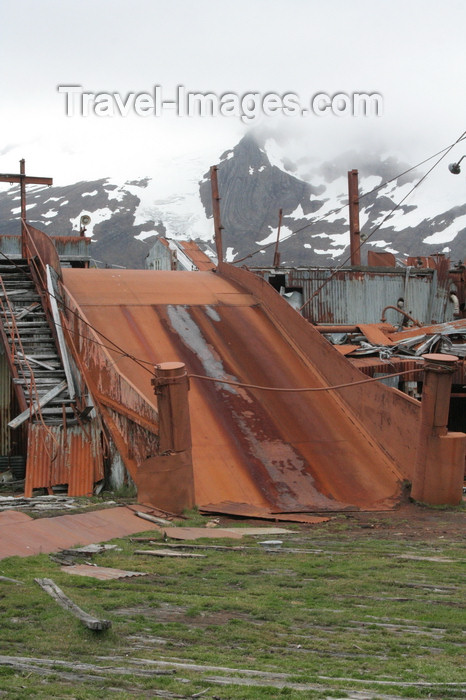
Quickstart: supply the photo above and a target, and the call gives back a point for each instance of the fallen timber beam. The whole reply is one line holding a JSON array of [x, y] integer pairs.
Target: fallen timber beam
[[93, 623]]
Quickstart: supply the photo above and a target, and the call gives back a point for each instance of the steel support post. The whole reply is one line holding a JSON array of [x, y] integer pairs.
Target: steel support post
[[439, 470], [167, 479]]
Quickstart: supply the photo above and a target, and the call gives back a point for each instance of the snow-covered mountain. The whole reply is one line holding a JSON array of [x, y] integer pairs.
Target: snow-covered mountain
[[256, 178]]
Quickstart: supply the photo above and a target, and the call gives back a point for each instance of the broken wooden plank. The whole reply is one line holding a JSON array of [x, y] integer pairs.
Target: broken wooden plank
[[14, 292], [31, 358], [45, 399], [168, 553], [93, 623], [25, 312], [11, 580]]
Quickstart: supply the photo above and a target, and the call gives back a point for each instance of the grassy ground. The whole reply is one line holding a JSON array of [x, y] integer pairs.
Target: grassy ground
[[364, 606]]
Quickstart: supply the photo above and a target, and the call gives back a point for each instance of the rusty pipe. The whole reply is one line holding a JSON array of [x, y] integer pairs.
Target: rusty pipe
[[405, 314]]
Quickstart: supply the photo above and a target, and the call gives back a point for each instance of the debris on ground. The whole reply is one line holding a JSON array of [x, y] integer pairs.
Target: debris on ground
[[92, 623], [102, 573], [167, 553], [37, 503]]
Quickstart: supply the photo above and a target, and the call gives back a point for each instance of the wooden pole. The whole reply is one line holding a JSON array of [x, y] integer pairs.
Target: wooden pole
[[24, 180], [353, 195], [216, 213], [276, 255]]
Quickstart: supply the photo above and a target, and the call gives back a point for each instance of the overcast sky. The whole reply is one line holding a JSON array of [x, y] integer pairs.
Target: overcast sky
[[410, 52]]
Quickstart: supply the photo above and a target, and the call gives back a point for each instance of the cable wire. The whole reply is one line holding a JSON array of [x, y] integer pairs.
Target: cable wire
[[303, 389]]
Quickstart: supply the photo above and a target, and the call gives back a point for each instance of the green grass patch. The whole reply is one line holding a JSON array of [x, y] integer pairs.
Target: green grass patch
[[338, 614]]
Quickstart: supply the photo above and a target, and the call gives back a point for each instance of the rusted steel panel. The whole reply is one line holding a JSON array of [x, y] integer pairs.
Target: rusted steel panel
[[200, 259], [286, 452], [56, 456], [439, 471], [389, 417], [40, 245], [378, 259], [167, 480], [244, 510], [374, 365], [458, 326], [26, 536]]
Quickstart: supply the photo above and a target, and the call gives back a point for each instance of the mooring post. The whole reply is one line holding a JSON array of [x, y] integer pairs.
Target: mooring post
[[166, 480], [439, 470]]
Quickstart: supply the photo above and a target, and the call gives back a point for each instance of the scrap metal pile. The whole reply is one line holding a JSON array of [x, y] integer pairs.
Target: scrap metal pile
[[378, 349]]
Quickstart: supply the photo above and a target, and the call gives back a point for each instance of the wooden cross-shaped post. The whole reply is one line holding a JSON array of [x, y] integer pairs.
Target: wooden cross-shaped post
[[24, 180]]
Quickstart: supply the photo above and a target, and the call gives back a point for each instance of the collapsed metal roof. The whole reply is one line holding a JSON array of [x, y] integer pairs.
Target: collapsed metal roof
[[280, 452]]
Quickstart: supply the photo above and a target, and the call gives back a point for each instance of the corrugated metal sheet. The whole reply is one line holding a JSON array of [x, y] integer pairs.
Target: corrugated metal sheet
[[23, 536], [281, 452], [5, 399], [102, 573], [58, 456], [356, 296]]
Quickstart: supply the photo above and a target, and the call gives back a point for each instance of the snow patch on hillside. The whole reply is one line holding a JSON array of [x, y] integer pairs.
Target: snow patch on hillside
[[449, 233]]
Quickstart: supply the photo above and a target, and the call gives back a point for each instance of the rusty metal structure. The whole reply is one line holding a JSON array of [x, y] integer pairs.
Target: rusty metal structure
[[206, 387], [351, 295], [278, 452]]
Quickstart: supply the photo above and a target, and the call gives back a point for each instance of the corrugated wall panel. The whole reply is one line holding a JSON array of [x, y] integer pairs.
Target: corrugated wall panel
[[56, 457], [354, 296]]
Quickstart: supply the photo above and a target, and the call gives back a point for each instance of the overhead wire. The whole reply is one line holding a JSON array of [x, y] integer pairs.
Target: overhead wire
[[304, 389]]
